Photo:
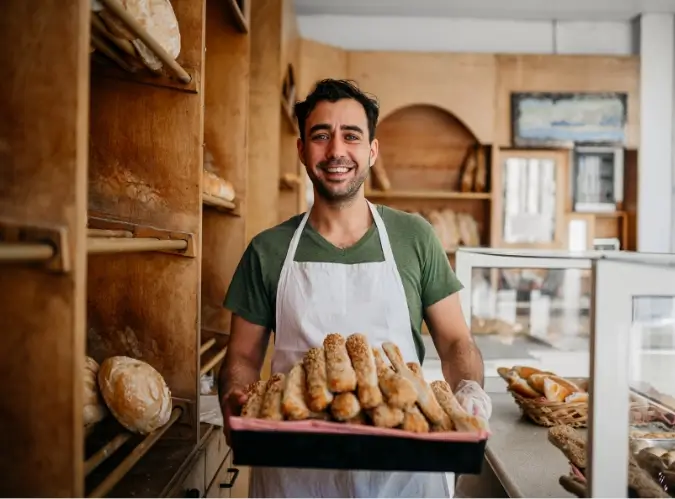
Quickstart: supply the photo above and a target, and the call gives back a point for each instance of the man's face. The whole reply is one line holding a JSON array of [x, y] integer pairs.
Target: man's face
[[337, 153]]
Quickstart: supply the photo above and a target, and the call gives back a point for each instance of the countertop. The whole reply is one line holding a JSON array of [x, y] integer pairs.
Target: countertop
[[518, 451]]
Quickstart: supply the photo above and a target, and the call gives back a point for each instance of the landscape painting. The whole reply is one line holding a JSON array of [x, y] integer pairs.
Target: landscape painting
[[568, 119]]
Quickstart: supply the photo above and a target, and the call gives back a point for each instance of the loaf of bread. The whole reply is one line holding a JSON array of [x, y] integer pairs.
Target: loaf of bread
[[530, 382], [136, 393], [93, 409]]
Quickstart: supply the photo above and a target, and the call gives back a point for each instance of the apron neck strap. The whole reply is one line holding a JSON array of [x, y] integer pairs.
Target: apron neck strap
[[379, 223]]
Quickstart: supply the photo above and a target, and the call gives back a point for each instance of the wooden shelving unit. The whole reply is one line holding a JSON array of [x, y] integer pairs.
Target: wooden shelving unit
[[107, 244]]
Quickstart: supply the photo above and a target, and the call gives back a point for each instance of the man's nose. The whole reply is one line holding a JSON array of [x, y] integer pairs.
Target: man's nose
[[337, 148]]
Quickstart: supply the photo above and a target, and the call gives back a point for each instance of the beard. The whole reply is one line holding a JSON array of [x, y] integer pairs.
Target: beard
[[338, 192]]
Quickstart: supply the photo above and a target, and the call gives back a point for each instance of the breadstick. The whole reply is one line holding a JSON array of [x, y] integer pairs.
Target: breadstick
[[271, 405], [386, 416], [293, 403], [414, 420], [360, 418], [462, 420], [398, 391], [425, 397], [339, 371], [361, 355], [318, 394], [256, 393], [345, 406], [446, 424]]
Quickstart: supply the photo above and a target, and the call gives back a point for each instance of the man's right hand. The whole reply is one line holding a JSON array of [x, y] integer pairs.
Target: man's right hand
[[231, 405]]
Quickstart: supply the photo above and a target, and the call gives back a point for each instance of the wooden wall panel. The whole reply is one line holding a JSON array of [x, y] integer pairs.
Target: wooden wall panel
[[264, 117], [226, 138], [146, 159], [463, 84], [319, 61], [567, 73], [43, 167]]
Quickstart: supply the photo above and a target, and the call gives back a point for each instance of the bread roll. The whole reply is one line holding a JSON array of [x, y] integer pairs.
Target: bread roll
[[135, 393], [93, 408]]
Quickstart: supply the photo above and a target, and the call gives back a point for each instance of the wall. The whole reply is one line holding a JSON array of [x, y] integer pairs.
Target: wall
[[654, 44], [470, 35]]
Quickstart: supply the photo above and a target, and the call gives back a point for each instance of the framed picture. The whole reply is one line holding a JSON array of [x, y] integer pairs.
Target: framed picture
[[568, 119]]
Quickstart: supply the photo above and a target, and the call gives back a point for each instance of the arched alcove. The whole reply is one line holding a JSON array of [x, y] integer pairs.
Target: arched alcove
[[423, 147]]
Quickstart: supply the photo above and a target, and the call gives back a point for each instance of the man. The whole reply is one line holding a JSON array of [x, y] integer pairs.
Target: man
[[345, 266]]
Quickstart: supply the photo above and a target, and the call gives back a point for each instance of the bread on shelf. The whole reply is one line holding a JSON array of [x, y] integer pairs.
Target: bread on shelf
[[218, 187], [135, 392], [93, 409], [348, 380]]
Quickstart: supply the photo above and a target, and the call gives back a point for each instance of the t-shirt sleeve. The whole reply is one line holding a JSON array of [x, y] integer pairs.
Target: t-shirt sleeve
[[438, 279], [247, 295]]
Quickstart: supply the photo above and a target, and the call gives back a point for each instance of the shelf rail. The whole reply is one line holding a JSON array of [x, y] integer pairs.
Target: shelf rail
[[213, 361], [130, 461]]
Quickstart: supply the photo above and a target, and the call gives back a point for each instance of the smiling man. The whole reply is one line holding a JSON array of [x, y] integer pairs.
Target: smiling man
[[345, 266]]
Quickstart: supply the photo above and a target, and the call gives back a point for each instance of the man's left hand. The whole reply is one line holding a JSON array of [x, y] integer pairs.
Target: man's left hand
[[473, 399]]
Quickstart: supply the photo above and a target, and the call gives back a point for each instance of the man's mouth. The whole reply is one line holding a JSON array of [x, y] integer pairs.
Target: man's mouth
[[337, 173]]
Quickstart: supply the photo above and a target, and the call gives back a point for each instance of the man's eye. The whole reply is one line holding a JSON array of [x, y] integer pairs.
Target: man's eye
[[320, 136], [351, 136]]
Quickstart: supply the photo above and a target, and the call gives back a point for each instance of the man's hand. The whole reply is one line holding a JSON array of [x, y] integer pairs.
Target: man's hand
[[231, 405], [473, 399]]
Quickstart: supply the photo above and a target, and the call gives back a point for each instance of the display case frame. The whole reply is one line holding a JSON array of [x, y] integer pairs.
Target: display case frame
[[618, 278]]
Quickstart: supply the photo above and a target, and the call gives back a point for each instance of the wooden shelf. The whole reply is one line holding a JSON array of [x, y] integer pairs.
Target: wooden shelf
[[25, 252], [287, 110], [229, 207], [119, 51], [105, 236], [479, 196], [240, 17]]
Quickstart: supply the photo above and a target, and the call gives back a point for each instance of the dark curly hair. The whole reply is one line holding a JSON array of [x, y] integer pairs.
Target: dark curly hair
[[333, 90]]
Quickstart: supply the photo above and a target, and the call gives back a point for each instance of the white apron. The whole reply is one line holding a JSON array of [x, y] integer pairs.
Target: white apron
[[314, 299]]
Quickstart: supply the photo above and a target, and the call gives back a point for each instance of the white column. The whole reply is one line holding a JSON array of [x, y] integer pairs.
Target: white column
[[655, 187]]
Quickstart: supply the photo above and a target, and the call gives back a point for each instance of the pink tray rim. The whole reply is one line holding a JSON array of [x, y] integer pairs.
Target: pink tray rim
[[315, 426]]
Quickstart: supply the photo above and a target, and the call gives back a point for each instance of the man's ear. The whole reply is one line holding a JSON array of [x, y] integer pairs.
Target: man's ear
[[301, 151], [374, 151]]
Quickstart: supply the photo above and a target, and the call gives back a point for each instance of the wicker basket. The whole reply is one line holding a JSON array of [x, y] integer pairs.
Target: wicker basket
[[545, 413]]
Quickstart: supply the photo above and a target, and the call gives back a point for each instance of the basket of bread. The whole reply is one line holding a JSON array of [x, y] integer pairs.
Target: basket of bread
[[546, 399], [649, 473], [371, 413]]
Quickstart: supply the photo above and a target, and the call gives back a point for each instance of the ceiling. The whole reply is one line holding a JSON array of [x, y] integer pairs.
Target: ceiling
[[580, 10]]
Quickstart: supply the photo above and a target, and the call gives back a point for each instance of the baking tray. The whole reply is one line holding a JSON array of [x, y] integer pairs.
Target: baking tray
[[330, 445]]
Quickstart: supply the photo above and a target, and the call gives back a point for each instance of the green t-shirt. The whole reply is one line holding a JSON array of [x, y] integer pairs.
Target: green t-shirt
[[422, 263]]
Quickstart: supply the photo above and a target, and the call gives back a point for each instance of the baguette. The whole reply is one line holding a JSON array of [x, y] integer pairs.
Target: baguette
[[385, 416], [522, 387], [425, 397], [537, 381], [571, 443], [345, 406], [339, 371], [271, 404], [414, 420], [554, 391], [577, 397], [318, 394], [398, 391], [256, 393], [461, 420], [526, 371], [361, 355], [293, 404]]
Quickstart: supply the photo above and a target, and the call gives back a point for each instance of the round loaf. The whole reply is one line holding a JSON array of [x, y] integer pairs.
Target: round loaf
[[135, 393], [93, 408]]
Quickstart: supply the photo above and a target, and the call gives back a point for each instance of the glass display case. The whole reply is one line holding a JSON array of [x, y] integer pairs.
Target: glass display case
[[608, 316], [632, 417], [528, 306]]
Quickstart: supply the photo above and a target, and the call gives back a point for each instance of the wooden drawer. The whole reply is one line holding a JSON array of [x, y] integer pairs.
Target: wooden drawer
[[216, 449], [193, 485], [224, 479]]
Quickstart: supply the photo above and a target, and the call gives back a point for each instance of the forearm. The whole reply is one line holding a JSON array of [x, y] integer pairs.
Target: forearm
[[461, 359], [237, 373]]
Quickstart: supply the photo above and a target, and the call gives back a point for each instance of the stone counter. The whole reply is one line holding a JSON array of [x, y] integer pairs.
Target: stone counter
[[520, 455]]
